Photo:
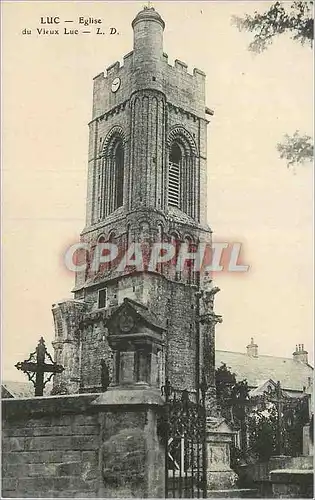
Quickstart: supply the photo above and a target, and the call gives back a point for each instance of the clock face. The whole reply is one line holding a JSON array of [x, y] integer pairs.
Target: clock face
[[115, 84]]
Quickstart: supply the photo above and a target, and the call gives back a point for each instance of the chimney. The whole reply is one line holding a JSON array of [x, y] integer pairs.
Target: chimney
[[252, 349], [300, 354]]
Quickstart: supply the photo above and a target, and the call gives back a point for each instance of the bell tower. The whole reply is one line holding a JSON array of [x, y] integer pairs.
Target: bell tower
[[147, 179]]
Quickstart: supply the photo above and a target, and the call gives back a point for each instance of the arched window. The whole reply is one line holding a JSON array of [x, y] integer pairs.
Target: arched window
[[119, 175], [101, 239], [111, 179], [182, 180], [174, 173]]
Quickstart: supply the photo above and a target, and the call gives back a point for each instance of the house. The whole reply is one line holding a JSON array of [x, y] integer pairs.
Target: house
[[262, 372], [294, 374]]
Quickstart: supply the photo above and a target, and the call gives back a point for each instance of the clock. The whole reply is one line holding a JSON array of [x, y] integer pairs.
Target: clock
[[115, 84]]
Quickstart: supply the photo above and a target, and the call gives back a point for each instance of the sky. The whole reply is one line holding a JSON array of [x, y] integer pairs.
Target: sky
[[252, 197]]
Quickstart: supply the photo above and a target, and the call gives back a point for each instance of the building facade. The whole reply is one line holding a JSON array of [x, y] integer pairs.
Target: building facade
[[147, 182], [295, 374]]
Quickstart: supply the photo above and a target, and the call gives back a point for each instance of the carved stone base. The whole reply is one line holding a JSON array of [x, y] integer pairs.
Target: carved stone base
[[221, 480], [220, 476]]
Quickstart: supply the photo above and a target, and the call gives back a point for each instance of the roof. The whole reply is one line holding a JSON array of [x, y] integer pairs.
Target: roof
[[16, 389], [142, 311], [266, 385], [176, 215], [148, 316], [292, 374], [13, 389]]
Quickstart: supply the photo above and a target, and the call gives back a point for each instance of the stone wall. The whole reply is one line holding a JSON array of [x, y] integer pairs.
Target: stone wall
[[292, 483], [50, 447], [258, 475], [176, 306], [71, 446]]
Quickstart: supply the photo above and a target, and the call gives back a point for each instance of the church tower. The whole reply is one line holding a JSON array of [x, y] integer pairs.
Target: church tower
[[147, 180]]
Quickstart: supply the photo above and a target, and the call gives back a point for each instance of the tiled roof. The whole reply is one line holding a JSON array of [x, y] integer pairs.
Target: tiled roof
[[292, 374]]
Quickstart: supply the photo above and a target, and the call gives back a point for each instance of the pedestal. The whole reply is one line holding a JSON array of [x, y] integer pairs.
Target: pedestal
[[292, 483], [220, 476]]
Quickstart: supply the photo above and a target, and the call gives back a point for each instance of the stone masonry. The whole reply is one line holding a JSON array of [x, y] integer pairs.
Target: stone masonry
[[132, 132], [79, 446]]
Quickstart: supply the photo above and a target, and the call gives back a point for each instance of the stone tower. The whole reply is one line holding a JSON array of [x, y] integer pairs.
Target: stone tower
[[147, 179]]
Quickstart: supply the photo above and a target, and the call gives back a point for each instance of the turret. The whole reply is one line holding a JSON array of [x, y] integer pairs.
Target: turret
[[148, 27]]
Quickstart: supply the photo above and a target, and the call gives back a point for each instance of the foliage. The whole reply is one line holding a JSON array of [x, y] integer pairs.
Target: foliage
[[262, 431], [296, 149], [295, 416], [233, 400], [294, 17], [297, 19], [257, 419], [224, 381], [262, 425], [231, 395]]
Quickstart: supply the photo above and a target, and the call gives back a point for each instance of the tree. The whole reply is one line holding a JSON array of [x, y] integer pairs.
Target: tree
[[257, 419], [231, 395], [296, 149], [262, 431], [263, 425], [295, 18], [233, 399]]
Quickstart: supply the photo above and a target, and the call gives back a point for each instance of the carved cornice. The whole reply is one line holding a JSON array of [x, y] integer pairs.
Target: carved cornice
[[179, 110], [93, 318], [114, 111]]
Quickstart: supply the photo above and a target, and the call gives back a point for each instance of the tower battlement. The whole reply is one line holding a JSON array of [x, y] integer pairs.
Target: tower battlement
[[162, 77]]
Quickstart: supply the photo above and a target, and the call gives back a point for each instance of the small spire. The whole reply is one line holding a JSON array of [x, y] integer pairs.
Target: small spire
[[148, 5]]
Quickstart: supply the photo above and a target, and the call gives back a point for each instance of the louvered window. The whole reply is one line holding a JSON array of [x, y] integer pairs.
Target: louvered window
[[111, 178], [174, 174]]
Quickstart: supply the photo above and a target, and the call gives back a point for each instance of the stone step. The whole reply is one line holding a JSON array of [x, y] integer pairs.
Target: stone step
[[233, 493]]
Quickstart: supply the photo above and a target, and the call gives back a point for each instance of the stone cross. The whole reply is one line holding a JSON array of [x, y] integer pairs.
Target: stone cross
[[35, 367], [277, 397]]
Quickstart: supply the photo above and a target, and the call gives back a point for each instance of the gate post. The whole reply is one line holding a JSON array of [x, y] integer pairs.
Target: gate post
[[131, 453]]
